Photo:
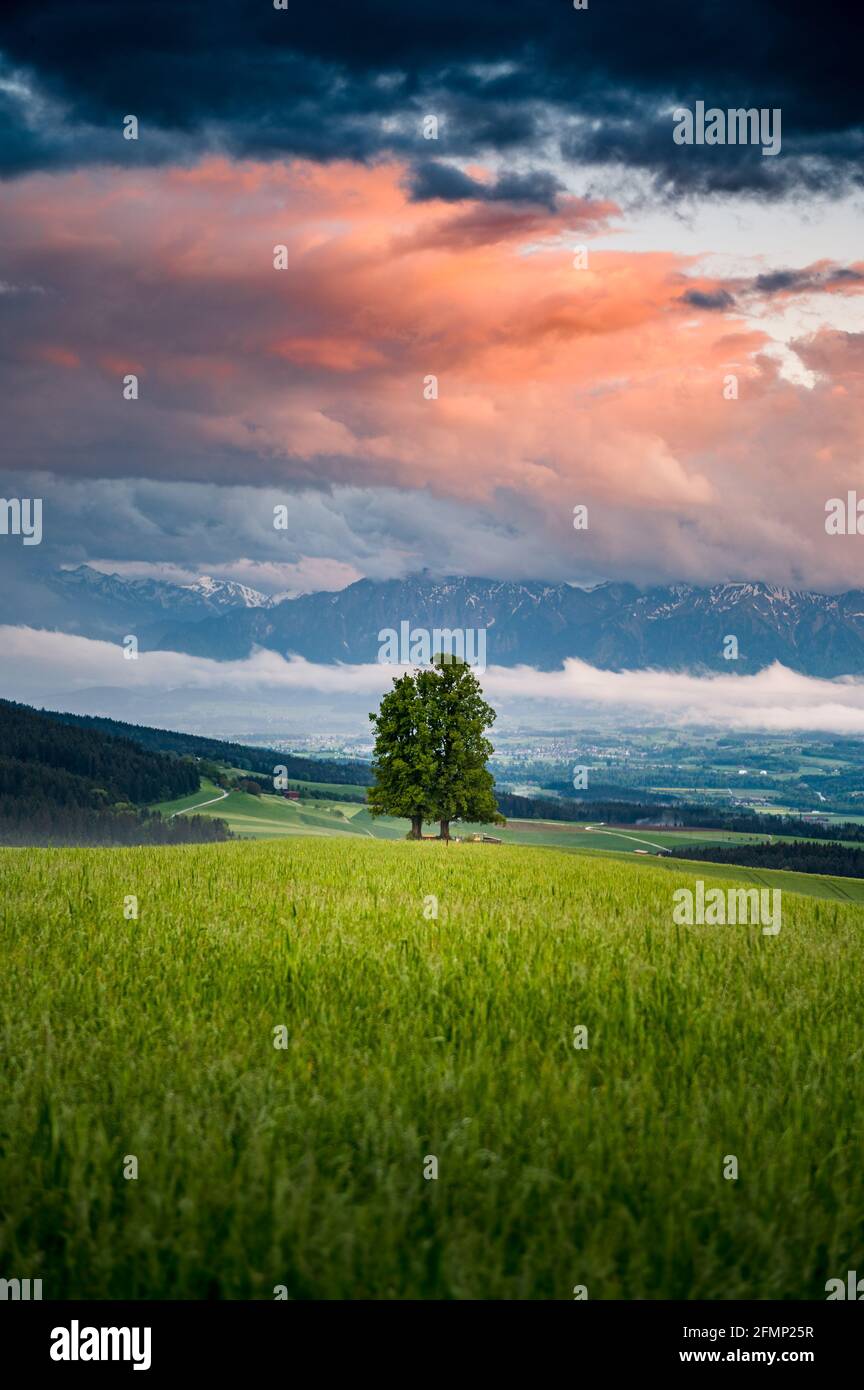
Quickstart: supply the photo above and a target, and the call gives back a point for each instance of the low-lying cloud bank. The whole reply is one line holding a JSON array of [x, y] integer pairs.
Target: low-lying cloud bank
[[59, 670]]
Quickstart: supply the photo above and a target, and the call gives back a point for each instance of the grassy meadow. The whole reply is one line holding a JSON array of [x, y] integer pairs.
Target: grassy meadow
[[411, 1036], [272, 817]]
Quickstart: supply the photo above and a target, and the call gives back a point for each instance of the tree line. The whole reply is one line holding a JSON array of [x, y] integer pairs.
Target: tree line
[[802, 855], [684, 814], [124, 770], [33, 821]]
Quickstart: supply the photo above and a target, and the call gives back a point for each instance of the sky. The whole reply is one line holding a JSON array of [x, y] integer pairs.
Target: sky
[[581, 288]]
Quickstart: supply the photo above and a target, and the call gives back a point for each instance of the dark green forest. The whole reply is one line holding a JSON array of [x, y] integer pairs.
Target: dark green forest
[[806, 857], [261, 760], [65, 785]]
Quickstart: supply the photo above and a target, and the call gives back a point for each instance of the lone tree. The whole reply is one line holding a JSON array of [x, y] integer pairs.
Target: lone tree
[[431, 750]]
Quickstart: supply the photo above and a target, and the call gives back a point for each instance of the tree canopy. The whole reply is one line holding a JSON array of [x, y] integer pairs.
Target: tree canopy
[[431, 748]]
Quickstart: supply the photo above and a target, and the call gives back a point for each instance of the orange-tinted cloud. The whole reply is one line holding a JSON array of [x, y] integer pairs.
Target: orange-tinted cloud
[[557, 383]]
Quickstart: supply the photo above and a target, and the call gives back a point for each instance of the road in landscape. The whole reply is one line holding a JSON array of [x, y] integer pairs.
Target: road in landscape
[[221, 797]]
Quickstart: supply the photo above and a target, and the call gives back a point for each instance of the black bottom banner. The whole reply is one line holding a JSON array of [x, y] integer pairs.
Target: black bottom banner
[[164, 1339]]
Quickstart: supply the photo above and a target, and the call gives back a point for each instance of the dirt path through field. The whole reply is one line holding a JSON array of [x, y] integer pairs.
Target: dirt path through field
[[221, 797]]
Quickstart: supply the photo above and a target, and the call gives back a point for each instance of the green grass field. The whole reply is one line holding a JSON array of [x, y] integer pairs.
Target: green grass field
[[411, 1036], [273, 817]]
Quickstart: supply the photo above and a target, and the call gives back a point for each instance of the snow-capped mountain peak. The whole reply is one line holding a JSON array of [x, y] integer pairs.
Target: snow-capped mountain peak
[[614, 626], [228, 593]]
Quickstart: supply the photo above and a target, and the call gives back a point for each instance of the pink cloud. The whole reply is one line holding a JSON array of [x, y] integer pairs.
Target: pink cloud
[[555, 384]]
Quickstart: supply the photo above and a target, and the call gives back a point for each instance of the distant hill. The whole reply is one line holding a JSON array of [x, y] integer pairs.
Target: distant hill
[[240, 755], [61, 784]]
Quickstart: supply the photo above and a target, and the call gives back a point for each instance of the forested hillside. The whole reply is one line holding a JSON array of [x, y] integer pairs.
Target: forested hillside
[[237, 754], [65, 785]]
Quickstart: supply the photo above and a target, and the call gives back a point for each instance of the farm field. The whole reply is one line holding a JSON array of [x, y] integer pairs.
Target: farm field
[[836, 889], [410, 1037], [271, 816], [340, 791], [274, 817]]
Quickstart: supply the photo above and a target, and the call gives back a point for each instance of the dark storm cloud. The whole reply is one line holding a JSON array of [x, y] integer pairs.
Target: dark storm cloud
[[710, 299], [641, 138], [804, 280], [380, 532], [344, 80], [795, 281], [435, 180], [432, 179]]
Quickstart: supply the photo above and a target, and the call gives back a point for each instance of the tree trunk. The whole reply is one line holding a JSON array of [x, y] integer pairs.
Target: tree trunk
[[416, 832], [445, 830]]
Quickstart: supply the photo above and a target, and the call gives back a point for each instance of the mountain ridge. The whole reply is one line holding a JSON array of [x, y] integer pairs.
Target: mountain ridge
[[612, 625]]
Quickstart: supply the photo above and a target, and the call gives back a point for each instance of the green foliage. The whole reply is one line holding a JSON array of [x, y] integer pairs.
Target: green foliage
[[37, 754], [210, 770], [459, 716], [404, 761], [431, 750]]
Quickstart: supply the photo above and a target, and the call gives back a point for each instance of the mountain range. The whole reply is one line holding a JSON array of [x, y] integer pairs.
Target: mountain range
[[610, 625], [87, 601]]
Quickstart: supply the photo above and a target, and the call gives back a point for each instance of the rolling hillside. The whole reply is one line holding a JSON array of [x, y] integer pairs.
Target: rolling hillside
[[274, 817], [62, 784]]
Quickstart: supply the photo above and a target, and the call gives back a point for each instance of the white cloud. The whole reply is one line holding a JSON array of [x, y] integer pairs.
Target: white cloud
[[775, 698], [46, 667]]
